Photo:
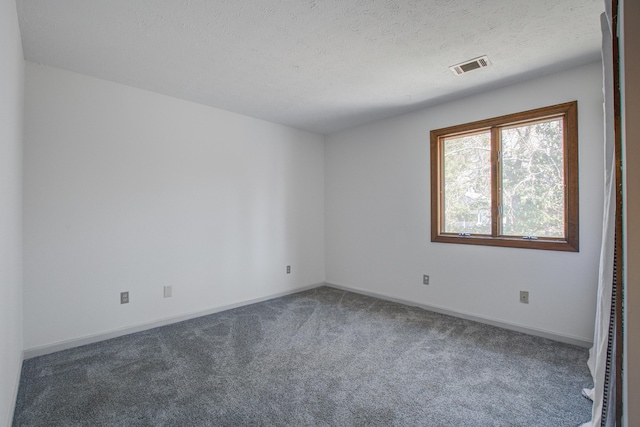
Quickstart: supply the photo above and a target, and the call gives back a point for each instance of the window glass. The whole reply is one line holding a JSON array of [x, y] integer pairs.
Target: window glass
[[467, 184], [533, 180]]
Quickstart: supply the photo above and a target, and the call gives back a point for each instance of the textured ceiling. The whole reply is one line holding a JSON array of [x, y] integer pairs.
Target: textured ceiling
[[318, 65]]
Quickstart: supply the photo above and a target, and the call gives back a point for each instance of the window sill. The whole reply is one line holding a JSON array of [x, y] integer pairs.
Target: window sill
[[509, 242]]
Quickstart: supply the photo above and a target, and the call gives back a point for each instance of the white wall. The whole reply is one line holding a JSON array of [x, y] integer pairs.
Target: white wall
[[631, 203], [127, 190], [377, 201], [11, 111]]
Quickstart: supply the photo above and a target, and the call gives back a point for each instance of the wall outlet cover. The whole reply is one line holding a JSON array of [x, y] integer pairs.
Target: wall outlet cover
[[425, 279], [124, 297], [167, 291], [524, 297]]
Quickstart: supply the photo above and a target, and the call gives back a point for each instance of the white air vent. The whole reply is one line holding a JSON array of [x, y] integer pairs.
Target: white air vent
[[472, 64]]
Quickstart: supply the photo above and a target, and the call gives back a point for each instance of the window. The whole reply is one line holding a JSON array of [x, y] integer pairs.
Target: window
[[508, 181]]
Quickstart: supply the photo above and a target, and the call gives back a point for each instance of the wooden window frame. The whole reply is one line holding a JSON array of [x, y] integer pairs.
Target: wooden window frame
[[570, 242]]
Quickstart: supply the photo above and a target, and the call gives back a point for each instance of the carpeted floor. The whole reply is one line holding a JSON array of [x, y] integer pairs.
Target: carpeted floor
[[319, 357]]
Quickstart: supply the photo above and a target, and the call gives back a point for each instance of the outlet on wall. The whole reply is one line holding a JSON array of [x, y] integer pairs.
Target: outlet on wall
[[425, 279], [524, 297], [167, 291], [288, 269], [124, 297]]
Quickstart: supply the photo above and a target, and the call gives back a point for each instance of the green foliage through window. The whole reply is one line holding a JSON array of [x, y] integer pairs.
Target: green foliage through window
[[533, 180], [467, 184]]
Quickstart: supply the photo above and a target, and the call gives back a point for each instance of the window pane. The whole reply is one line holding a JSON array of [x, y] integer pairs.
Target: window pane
[[467, 184], [533, 180]]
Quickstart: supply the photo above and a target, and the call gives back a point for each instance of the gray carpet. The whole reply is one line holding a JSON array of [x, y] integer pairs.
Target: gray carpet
[[319, 357]]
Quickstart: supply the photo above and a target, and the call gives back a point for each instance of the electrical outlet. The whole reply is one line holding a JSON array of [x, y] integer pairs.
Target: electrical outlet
[[167, 291], [524, 297], [124, 297], [425, 279], [288, 269]]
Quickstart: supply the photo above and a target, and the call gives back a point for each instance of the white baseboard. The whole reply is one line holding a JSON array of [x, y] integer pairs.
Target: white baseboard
[[90, 339], [474, 317]]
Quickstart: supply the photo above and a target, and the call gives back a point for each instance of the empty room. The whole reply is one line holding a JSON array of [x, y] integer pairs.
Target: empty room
[[301, 212]]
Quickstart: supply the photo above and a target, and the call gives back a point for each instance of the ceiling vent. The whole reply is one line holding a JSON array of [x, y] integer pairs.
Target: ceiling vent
[[472, 64]]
